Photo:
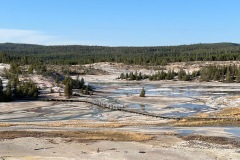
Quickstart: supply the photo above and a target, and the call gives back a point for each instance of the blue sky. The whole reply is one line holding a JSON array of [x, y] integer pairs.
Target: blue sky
[[119, 22]]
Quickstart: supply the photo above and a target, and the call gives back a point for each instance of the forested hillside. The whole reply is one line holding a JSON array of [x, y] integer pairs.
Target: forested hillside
[[77, 54]]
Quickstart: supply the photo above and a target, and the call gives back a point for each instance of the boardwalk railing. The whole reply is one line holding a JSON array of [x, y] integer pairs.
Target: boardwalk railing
[[104, 103]]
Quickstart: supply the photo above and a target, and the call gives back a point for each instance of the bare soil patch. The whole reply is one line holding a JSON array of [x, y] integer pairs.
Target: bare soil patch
[[212, 139]]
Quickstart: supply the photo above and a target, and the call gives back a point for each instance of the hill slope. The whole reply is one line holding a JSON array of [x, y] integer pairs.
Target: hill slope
[[77, 54]]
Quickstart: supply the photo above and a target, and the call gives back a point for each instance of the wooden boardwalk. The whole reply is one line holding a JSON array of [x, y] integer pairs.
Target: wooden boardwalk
[[123, 108], [111, 106]]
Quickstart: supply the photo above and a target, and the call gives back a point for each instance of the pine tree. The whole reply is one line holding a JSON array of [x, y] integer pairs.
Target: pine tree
[[81, 90], [8, 92], [131, 77], [30, 69], [140, 75], [170, 75], [68, 90], [228, 76], [86, 91], [142, 94], [238, 76], [1, 90], [81, 84], [182, 75], [127, 76], [122, 76], [217, 76]]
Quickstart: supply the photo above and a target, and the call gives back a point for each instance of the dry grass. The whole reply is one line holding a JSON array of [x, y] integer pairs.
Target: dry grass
[[202, 115], [207, 122], [3, 124], [227, 117], [77, 123], [80, 123], [234, 98], [231, 112], [79, 135]]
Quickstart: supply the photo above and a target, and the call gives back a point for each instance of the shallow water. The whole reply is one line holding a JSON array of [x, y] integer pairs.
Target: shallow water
[[189, 106], [142, 107], [187, 109], [129, 89], [185, 131], [53, 113], [234, 130]]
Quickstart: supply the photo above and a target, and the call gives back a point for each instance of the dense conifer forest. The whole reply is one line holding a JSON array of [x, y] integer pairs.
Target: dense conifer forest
[[77, 54], [226, 74]]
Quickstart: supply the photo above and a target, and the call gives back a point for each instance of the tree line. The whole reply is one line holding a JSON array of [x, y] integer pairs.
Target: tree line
[[227, 74], [76, 54], [133, 76], [16, 89], [71, 84]]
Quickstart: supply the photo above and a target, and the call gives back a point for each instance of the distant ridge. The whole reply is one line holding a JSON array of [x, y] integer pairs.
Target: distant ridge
[[152, 55], [9, 44]]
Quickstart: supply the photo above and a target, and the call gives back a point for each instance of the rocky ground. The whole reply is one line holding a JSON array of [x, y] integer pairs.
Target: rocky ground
[[167, 148]]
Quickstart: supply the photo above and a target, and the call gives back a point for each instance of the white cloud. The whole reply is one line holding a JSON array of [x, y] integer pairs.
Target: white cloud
[[25, 36], [37, 37]]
